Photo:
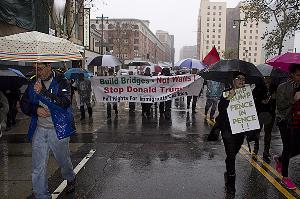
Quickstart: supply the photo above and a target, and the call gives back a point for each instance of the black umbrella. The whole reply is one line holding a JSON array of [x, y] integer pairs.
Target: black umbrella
[[105, 60], [10, 80], [223, 71]]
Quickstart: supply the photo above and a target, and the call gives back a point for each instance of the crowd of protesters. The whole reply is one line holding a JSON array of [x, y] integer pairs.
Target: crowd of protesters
[[275, 104]]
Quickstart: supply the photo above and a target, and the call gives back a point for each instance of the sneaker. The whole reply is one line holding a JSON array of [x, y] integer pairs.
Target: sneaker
[[287, 182], [278, 165], [71, 186]]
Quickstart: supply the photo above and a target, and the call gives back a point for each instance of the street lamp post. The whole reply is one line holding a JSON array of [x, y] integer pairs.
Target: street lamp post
[[102, 41], [239, 33]]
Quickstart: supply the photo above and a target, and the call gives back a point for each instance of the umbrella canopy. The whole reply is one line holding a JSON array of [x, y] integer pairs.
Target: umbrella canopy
[[10, 80], [284, 61], [268, 70], [105, 60], [76, 73], [154, 68], [223, 70], [191, 63], [37, 47]]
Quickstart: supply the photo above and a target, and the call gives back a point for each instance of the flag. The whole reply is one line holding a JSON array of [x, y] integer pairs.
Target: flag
[[212, 57]]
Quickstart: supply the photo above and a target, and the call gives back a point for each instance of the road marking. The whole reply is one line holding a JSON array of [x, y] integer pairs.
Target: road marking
[[63, 185], [267, 175], [297, 191]]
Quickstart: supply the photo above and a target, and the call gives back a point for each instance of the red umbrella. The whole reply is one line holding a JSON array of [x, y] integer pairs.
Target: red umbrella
[[284, 61], [157, 69]]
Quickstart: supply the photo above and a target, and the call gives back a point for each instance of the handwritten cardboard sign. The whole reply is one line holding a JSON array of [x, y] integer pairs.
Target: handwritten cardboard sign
[[242, 112]]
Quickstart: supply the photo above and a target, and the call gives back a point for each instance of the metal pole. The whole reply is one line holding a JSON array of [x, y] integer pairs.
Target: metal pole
[[239, 34], [101, 50]]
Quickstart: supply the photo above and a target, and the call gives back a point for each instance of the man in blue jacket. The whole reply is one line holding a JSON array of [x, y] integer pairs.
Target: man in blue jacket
[[47, 101]]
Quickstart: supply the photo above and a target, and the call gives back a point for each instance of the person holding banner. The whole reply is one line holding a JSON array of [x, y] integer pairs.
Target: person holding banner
[[146, 107], [108, 105], [232, 142], [165, 107], [194, 97], [288, 122]]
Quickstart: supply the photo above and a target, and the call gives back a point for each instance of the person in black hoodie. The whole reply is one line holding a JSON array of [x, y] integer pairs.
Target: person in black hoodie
[[232, 142], [265, 101]]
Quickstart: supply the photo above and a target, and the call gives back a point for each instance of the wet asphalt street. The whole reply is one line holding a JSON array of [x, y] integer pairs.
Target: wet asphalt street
[[138, 158]]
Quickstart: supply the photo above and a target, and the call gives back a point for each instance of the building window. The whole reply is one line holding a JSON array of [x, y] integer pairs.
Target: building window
[[219, 25], [214, 30], [208, 7], [207, 36], [207, 18], [250, 42], [220, 7], [256, 37], [250, 37], [245, 37], [207, 30], [256, 31], [255, 54], [250, 31], [219, 42], [244, 42], [219, 30], [219, 36], [220, 19], [214, 7], [214, 19], [207, 41], [206, 47], [213, 42], [243, 54], [135, 48], [250, 25], [249, 54], [254, 59], [136, 41], [244, 48], [249, 60], [214, 13], [255, 48], [220, 13], [213, 36], [208, 13], [250, 48], [245, 31], [136, 33], [207, 24], [219, 47], [214, 24]]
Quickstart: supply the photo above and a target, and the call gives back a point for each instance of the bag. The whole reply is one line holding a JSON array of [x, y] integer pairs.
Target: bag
[[295, 116], [294, 142]]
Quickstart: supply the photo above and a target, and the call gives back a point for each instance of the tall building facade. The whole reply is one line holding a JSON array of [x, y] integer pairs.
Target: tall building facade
[[211, 27], [131, 39], [188, 52], [166, 39]]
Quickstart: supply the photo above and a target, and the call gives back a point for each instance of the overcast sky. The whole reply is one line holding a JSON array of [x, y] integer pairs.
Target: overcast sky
[[177, 17]]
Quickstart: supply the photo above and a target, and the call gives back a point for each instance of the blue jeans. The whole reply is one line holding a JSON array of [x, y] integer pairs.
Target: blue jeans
[[43, 141]]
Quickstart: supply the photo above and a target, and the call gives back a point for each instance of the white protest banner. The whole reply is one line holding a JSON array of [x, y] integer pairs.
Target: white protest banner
[[135, 88], [242, 112]]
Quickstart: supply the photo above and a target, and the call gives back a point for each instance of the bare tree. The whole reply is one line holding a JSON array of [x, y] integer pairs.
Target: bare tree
[[286, 15], [120, 35], [64, 25]]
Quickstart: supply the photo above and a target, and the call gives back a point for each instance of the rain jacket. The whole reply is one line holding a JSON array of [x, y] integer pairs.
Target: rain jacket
[[57, 98], [214, 89]]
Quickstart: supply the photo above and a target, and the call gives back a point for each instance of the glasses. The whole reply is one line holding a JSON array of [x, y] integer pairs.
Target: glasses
[[240, 78]]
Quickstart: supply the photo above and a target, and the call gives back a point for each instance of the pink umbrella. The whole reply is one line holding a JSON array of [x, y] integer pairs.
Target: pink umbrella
[[284, 61]]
